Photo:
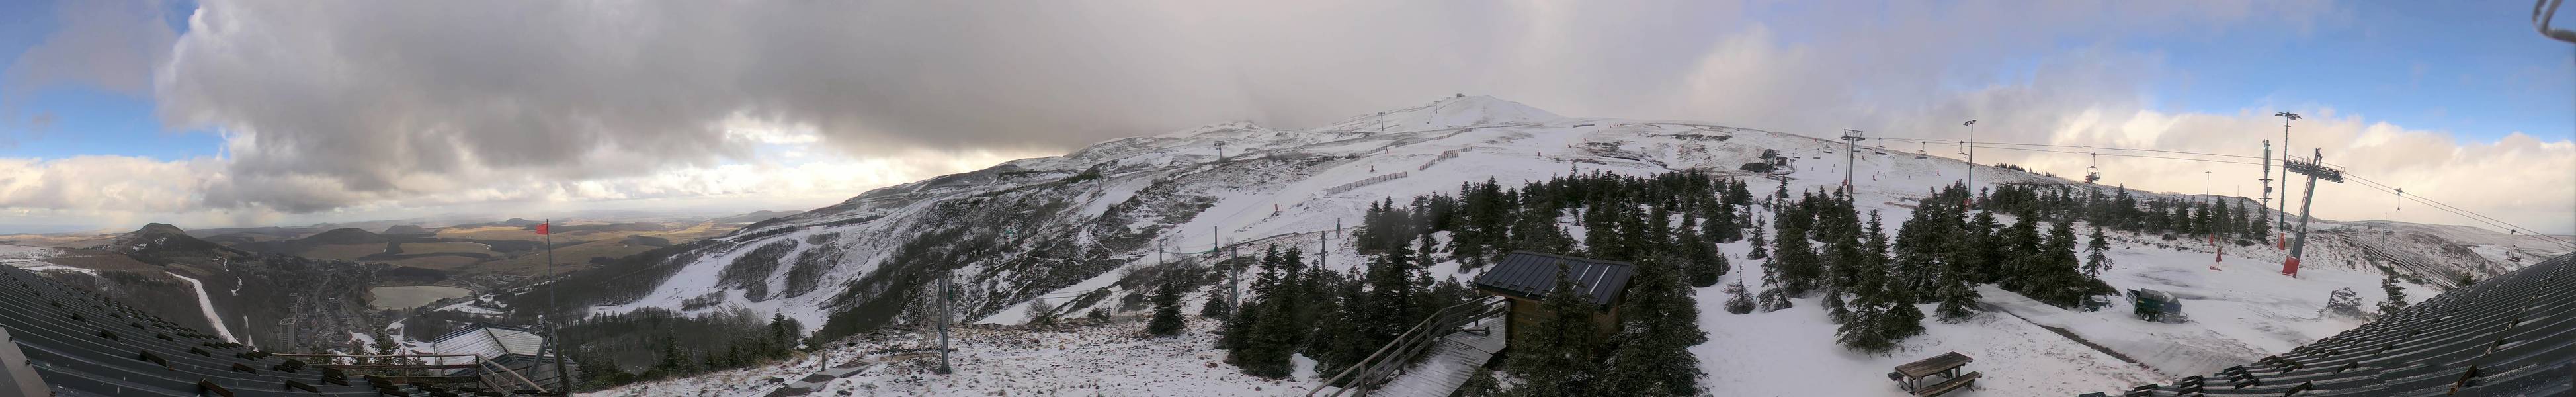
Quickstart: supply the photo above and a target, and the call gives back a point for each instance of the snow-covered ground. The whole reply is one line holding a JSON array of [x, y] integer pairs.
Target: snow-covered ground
[[1113, 359], [1792, 353], [2240, 313], [32, 259]]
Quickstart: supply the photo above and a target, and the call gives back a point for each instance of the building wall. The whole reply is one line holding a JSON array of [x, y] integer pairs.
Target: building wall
[[1526, 314]]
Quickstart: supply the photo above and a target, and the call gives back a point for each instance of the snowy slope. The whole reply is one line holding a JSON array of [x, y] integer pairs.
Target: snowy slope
[[1070, 230]]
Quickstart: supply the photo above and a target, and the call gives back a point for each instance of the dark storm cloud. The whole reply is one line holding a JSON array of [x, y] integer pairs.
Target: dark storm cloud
[[332, 104]]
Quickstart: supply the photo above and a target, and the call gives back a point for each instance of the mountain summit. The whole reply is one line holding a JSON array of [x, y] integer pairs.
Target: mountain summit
[[163, 244]]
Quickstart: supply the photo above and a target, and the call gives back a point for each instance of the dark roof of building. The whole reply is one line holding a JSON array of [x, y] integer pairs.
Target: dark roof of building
[[2510, 335], [1531, 275], [80, 343]]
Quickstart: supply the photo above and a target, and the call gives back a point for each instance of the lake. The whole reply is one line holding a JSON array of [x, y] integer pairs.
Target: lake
[[408, 296]]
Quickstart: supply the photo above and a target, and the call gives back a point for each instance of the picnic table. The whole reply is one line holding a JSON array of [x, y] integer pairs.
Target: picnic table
[[1911, 376]]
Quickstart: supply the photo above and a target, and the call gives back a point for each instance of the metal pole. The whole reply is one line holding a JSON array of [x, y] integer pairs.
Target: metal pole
[[1233, 278], [563, 381], [945, 283], [2284, 222], [2267, 175], [2307, 201], [1851, 142], [1972, 162]]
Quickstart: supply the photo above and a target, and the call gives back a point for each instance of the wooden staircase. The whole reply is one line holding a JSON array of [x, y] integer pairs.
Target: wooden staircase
[[1370, 373]]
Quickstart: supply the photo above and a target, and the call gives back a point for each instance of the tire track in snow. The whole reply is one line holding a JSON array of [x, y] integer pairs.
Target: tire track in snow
[[2078, 339]]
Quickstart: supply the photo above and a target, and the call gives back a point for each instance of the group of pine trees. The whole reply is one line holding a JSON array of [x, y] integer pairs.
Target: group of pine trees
[[1871, 282], [1667, 224], [664, 338], [2231, 219], [1294, 306], [1815, 244]]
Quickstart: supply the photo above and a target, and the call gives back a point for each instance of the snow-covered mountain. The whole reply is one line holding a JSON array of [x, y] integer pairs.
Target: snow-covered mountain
[[1084, 230], [1068, 228]]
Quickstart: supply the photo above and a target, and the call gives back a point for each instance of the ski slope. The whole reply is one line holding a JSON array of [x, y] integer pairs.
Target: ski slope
[[207, 305], [1275, 186]]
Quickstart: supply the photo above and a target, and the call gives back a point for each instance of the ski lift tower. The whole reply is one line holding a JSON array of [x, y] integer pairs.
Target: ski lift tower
[[2307, 201], [1851, 143], [1970, 148]]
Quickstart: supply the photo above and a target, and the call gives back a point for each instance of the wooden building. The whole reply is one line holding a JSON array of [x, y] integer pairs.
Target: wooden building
[[1526, 278]]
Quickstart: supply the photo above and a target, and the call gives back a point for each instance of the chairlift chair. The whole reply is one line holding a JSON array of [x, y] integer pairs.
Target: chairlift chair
[[2093, 172]]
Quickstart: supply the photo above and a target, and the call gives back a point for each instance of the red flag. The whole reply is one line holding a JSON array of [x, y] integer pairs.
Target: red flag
[[541, 228]]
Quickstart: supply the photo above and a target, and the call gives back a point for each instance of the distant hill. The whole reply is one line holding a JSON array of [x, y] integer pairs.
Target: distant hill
[[512, 222], [609, 227], [407, 230], [304, 246], [163, 244], [755, 216], [648, 241], [349, 235]]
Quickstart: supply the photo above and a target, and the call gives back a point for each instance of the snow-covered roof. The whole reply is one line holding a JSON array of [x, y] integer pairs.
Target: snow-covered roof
[[490, 341], [1531, 275]]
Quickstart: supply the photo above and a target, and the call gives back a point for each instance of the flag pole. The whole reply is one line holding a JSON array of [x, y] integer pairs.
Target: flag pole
[[563, 381]]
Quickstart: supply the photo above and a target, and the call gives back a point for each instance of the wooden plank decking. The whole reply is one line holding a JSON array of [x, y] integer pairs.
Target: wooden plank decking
[[1450, 362]]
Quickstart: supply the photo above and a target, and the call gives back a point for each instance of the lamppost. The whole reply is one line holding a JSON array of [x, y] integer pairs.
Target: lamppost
[[2284, 223]]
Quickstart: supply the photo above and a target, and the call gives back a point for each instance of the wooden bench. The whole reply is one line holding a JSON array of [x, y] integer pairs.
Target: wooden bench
[[1910, 376]]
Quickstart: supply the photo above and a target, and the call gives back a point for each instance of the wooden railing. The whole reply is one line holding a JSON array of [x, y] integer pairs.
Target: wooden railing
[[491, 375], [1364, 377]]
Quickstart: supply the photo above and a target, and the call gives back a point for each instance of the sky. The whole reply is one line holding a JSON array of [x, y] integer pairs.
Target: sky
[[223, 113]]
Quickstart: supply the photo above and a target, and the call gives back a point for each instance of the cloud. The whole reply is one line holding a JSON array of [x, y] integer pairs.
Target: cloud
[[349, 106], [108, 44], [104, 183]]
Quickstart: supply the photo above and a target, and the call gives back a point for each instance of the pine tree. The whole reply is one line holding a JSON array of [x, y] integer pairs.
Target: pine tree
[[1759, 244], [1835, 308], [1858, 330], [2054, 274], [1721, 225], [1340, 339], [600, 371], [1956, 298], [2099, 259], [675, 361], [1800, 269], [2262, 227], [1392, 296], [1988, 252], [1653, 357], [1702, 262], [2396, 296], [1740, 194], [1215, 308], [1738, 300], [1167, 310], [783, 333], [386, 345], [1902, 319], [1554, 358], [2021, 247]]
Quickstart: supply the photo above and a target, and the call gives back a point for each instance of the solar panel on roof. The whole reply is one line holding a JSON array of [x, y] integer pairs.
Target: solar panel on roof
[[1531, 275]]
